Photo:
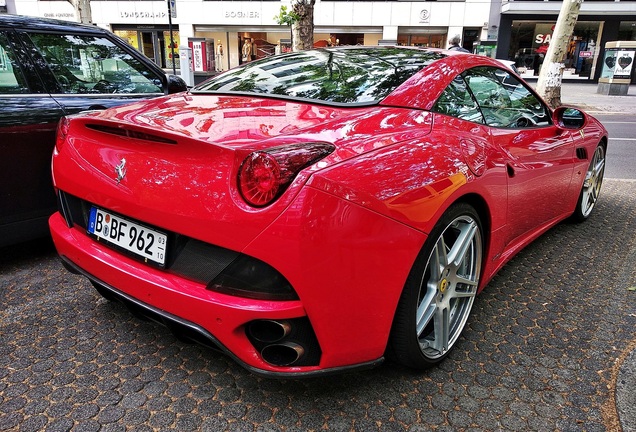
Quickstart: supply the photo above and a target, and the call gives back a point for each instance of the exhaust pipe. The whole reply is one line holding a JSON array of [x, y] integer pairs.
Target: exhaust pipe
[[285, 354], [284, 341], [269, 331]]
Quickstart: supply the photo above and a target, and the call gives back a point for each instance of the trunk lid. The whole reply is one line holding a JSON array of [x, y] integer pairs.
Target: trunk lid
[[181, 155]]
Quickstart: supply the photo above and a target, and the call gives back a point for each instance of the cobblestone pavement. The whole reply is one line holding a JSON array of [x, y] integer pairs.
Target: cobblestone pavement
[[540, 353]]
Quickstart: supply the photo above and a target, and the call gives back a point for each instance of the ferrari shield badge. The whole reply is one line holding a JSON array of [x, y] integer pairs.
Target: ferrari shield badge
[[120, 170]]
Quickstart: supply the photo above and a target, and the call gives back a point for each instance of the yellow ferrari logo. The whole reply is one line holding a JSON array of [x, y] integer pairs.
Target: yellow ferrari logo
[[582, 132], [443, 286]]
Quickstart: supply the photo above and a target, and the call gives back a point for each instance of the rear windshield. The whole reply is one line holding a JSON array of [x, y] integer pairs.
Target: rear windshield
[[334, 76]]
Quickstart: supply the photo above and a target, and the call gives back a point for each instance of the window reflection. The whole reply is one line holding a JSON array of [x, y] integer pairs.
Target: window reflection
[[494, 97], [355, 75], [504, 100], [456, 101], [89, 64], [11, 79]]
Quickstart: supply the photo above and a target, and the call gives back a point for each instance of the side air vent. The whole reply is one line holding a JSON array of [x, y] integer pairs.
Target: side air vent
[[581, 153], [130, 133]]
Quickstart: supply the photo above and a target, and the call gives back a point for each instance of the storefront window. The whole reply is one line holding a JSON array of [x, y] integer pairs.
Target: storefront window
[[627, 31], [129, 36], [422, 40], [171, 49], [530, 40], [154, 44]]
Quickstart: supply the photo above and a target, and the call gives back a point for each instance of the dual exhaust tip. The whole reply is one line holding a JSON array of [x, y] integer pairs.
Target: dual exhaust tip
[[270, 336]]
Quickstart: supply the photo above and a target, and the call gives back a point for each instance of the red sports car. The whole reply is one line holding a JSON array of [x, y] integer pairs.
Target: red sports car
[[318, 211]]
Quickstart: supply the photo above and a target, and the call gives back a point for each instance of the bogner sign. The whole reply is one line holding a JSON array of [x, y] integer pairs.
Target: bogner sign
[[243, 14]]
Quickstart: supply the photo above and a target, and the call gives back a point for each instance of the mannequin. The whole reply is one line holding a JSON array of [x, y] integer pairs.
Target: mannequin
[[219, 56], [247, 50]]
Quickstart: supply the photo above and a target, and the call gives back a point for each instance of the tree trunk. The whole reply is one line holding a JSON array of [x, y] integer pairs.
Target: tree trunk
[[303, 29], [82, 10], [551, 75]]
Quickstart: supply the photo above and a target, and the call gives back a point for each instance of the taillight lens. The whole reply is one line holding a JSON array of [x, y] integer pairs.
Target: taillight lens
[[62, 132], [264, 175]]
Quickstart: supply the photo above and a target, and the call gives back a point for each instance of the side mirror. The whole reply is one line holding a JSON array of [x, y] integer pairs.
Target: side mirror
[[176, 84], [566, 117]]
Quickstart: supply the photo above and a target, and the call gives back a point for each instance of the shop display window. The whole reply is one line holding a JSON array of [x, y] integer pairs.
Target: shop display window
[[530, 40]]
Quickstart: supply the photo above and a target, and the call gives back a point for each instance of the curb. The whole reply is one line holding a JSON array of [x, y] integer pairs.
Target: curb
[[625, 394]]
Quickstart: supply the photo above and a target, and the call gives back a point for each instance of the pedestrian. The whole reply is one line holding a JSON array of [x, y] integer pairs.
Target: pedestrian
[[254, 49], [455, 44]]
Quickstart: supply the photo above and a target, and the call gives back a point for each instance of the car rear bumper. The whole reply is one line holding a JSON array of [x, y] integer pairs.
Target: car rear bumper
[[193, 313]]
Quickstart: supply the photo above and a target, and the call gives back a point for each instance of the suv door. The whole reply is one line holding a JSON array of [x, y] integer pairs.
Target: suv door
[[27, 133]]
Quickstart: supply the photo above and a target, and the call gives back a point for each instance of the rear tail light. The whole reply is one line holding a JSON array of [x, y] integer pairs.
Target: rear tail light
[[264, 175], [62, 132]]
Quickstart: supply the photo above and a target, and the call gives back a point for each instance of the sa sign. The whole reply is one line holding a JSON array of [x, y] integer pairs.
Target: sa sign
[[541, 39]]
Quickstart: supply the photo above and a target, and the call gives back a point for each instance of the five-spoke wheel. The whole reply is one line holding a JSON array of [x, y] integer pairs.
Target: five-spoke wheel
[[440, 290], [591, 185]]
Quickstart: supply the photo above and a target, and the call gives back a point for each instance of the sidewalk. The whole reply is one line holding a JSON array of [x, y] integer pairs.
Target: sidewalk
[[584, 96]]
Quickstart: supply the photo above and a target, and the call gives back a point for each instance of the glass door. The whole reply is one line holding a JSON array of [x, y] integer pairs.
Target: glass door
[[149, 44]]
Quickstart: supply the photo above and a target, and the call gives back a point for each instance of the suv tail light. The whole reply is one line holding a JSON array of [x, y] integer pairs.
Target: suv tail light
[[62, 132], [264, 175]]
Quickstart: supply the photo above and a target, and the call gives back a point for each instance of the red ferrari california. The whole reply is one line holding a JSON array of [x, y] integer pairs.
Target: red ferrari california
[[316, 212]]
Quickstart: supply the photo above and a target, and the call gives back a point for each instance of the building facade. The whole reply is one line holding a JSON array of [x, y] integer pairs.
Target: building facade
[[217, 30], [220, 32], [526, 27]]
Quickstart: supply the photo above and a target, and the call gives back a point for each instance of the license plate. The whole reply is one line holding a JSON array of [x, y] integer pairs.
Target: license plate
[[142, 241]]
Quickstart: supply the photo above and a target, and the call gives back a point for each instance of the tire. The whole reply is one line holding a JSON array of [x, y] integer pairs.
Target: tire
[[591, 186], [440, 290]]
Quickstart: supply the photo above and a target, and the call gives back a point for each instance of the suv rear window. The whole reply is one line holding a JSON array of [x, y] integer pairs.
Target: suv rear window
[[11, 78], [333, 76], [94, 64]]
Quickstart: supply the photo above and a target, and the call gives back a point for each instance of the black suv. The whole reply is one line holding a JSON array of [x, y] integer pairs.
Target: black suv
[[49, 69]]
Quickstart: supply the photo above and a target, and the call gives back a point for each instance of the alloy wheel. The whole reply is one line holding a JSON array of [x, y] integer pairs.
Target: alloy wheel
[[593, 182], [448, 287]]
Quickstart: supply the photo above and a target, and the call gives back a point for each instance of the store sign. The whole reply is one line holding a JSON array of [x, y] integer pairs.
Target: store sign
[[59, 15], [585, 54], [242, 14], [198, 56], [541, 39], [542, 36], [142, 14], [425, 16], [624, 64], [618, 63]]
